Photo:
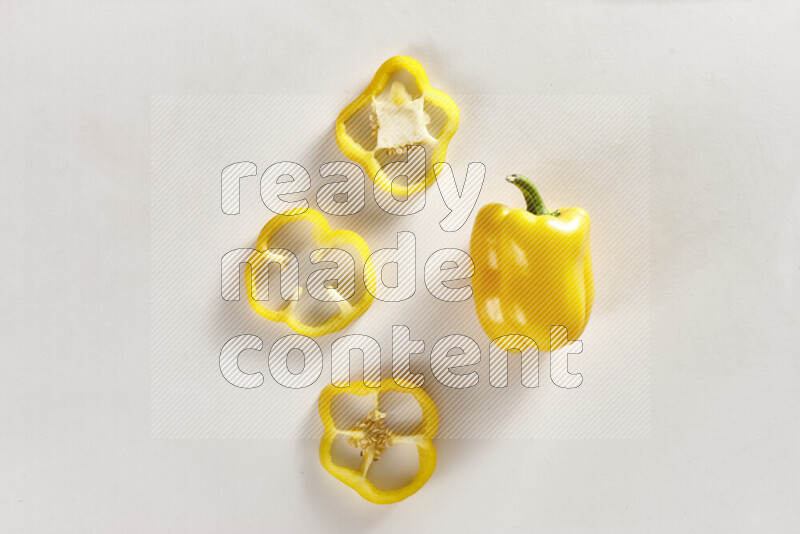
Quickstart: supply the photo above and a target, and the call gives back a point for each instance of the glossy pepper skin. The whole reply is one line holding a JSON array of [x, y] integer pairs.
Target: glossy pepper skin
[[533, 269], [366, 155], [328, 238], [373, 437]]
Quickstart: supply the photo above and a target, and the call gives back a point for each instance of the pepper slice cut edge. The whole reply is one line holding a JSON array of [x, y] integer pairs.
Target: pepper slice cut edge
[[373, 437], [323, 235], [367, 158]]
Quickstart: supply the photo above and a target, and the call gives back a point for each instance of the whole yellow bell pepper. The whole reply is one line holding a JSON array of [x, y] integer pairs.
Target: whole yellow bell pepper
[[323, 235], [373, 437], [533, 270], [396, 120]]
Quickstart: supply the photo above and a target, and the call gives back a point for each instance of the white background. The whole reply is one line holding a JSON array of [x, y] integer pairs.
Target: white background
[[75, 449]]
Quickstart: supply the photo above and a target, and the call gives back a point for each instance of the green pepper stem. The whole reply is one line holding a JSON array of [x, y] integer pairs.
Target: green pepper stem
[[533, 199]]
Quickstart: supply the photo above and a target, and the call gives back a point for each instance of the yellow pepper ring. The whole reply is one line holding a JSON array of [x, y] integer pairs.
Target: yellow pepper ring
[[323, 235], [373, 437], [356, 152]]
